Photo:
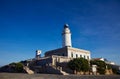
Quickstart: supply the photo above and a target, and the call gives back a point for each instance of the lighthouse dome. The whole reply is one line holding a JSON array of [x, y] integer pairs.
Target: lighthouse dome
[[66, 26]]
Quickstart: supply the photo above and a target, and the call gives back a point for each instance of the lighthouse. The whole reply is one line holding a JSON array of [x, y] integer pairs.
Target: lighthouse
[[67, 50], [38, 53], [66, 36]]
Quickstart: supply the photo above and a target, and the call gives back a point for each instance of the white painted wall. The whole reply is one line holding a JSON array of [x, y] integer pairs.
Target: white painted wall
[[66, 37], [78, 53]]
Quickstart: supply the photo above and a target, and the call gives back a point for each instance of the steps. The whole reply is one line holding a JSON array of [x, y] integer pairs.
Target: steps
[[64, 73], [61, 71], [28, 70]]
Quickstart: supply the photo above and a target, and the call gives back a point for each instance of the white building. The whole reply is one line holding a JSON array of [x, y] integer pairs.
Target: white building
[[67, 49]]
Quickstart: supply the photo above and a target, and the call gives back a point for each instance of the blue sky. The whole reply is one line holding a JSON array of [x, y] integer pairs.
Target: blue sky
[[27, 25]]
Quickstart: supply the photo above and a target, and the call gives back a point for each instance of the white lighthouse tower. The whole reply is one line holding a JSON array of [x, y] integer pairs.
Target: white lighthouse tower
[[38, 53], [66, 35]]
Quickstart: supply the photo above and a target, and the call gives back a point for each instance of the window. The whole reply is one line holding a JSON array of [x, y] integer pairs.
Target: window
[[87, 57], [76, 55], [71, 54], [80, 56], [84, 56], [58, 59]]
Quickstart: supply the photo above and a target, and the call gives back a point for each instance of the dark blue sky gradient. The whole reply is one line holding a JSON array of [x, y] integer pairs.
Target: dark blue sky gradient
[[27, 25]]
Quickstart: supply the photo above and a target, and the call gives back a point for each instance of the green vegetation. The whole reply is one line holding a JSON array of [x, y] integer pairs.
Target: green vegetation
[[109, 66], [101, 65], [19, 67], [79, 64], [16, 67]]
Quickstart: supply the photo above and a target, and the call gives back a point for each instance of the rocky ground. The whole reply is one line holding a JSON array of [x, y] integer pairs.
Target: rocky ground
[[52, 76]]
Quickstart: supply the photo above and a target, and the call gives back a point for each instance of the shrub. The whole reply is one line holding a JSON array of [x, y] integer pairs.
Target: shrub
[[79, 64], [101, 66]]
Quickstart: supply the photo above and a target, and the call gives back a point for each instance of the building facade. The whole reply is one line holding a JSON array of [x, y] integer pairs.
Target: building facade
[[69, 52]]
